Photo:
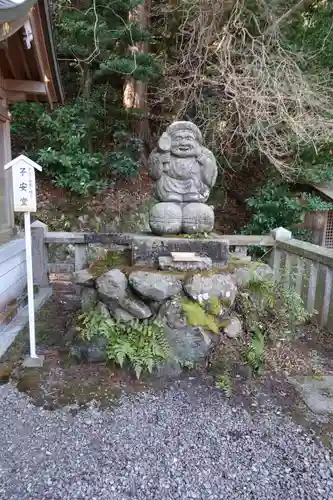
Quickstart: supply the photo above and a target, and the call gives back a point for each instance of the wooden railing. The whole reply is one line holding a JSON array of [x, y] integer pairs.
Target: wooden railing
[[307, 267]]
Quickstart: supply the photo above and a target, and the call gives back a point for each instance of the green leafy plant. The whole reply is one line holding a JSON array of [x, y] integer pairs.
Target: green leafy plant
[[223, 382], [90, 324], [140, 344], [273, 307], [197, 316], [276, 205], [255, 353], [214, 305]]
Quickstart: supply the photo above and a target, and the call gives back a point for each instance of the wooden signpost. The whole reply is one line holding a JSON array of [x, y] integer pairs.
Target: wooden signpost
[[24, 200]]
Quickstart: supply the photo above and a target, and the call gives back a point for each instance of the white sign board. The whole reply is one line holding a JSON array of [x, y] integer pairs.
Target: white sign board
[[24, 195], [24, 183]]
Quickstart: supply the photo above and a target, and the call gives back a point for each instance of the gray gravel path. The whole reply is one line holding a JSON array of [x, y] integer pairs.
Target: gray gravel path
[[184, 443]]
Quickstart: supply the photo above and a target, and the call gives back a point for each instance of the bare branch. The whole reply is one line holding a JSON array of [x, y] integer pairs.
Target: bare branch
[[246, 91]]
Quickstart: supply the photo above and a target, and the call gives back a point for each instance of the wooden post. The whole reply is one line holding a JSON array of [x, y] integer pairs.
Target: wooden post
[[39, 253]]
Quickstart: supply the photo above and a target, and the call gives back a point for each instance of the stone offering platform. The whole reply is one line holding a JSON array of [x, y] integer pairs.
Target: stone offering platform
[[146, 249]]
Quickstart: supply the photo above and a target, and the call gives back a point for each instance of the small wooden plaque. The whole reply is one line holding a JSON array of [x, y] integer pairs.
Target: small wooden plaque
[[185, 257]]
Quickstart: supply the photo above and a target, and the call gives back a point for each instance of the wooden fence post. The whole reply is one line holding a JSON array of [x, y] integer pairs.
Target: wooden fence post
[[39, 253]]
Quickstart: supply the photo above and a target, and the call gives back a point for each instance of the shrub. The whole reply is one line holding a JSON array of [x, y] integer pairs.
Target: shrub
[[272, 307], [276, 205]]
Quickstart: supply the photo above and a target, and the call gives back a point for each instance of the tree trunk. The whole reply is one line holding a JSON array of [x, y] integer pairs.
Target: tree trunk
[[86, 91], [135, 91]]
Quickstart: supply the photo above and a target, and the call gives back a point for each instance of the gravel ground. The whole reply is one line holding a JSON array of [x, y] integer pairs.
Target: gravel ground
[[187, 442]]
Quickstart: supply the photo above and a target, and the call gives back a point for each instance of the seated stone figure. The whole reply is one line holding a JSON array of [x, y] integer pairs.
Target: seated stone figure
[[183, 172]]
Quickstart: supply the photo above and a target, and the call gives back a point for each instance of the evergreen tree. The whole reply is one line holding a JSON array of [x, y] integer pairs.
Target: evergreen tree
[[101, 47]]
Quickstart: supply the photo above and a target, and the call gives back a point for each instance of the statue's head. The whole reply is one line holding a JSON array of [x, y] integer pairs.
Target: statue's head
[[182, 139]]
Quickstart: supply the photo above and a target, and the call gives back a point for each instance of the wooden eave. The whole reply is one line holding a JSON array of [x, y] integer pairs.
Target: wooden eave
[[28, 63]]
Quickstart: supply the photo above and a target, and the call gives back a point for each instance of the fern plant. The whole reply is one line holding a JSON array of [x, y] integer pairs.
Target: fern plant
[[255, 353], [91, 323], [140, 344]]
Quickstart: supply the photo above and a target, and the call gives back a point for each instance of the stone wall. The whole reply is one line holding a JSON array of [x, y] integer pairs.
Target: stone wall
[[197, 308]]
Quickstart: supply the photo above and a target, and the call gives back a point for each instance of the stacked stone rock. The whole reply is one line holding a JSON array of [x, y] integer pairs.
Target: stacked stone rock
[[160, 295]]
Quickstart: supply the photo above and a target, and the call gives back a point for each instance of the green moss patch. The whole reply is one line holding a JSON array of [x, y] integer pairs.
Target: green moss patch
[[109, 261], [197, 316]]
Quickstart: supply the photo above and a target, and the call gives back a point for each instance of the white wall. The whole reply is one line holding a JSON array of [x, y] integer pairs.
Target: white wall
[[12, 271]]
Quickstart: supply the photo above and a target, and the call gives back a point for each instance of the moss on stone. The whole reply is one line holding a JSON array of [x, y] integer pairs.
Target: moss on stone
[[109, 261], [5, 372], [195, 236]]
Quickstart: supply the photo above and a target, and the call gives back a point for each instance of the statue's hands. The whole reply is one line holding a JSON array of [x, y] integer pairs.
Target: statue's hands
[[165, 159], [200, 154]]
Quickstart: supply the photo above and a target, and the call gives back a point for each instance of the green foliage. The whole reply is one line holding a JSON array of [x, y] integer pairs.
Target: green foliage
[[316, 164], [64, 141], [272, 307], [310, 32], [90, 324], [107, 262], [140, 344], [276, 205], [92, 137], [67, 158], [255, 353], [197, 316], [123, 164], [24, 125], [223, 382], [214, 305]]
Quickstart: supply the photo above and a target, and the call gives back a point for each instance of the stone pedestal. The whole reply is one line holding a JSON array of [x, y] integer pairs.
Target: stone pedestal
[[146, 249]]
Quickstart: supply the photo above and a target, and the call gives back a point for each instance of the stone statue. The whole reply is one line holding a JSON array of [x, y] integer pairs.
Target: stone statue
[[183, 172]]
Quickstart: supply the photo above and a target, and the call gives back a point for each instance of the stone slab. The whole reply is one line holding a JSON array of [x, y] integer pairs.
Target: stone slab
[[122, 239], [146, 249], [168, 264], [316, 393], [36, 362]]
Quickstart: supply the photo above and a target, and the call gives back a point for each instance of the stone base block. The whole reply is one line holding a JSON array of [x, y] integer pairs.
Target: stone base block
[[33, 362], [146, 249], [167, 264]]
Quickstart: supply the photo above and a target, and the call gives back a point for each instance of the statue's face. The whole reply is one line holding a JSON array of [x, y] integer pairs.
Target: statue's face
[[183, 143]]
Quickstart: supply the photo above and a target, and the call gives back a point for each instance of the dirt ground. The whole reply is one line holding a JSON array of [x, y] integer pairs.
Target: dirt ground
[[62, 382]]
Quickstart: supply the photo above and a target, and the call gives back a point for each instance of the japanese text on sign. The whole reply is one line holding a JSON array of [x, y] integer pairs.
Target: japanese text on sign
[[24, 188]]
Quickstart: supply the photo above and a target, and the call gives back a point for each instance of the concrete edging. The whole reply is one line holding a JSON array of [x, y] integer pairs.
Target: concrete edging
[[8, 334]]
